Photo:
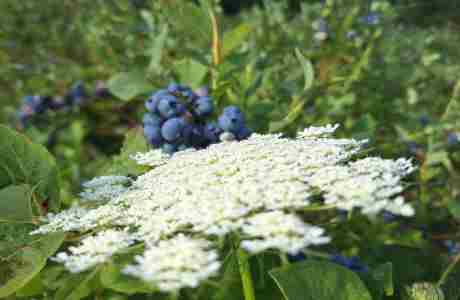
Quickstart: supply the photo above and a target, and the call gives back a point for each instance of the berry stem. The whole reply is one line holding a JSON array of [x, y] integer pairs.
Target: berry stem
[[246, 277]]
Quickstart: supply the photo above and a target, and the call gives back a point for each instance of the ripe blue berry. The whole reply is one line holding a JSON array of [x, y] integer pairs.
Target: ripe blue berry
[[202, 92], [203, 106], [172, 129], [152, 119], [169, 106], [152, 103], [153, 135], [212, 132], [174, 88], [78, 94], [452, 139], [169, 148], [230, 123], [243, 133]]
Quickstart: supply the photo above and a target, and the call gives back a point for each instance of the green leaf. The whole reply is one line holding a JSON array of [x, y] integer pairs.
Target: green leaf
[[319, 280], [22, 162], [384, 273], [34, 287], [190, 72], [190, 18], [122, 164], [113, 279], [78, 286], [454, 208], [235, 37], [127, 85], [295, 112], [26, 262], [308, 71], [156, 49], [380, 281], [15, 205]]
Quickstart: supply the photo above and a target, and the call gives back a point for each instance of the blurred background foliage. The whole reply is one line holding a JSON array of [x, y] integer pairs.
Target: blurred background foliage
[[393, 78]]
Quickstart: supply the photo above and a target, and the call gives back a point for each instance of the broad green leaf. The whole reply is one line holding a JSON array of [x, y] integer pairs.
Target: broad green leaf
[[235, 37], [319, 280], [22, 162], [78, 286], [26, 262], [113, 279], [15, 203], [308, 71], [34, 287], [230, 287], [190, 72], [122, 164], [127, 85]]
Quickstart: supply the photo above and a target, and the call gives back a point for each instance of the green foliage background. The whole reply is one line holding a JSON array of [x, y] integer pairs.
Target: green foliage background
[[381, 86]]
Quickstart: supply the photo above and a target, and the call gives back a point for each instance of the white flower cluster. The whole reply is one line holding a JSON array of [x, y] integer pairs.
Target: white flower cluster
[[245, 187], [104, 188], [276, 229], [176, 263], [94, 250], [370, 183]]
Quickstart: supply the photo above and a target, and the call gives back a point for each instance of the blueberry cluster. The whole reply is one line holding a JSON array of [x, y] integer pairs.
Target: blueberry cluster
[[178, 118], [76, 96]]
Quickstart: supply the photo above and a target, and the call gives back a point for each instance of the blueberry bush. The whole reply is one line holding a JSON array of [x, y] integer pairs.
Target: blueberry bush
[[176, 149]]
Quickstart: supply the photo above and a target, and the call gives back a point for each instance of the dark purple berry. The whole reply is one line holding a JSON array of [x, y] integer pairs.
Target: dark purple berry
[[152, 119], [203, 106], [169, 106], [212, 132], [152, 103], [243, 133], [153, 135], [172, 129]]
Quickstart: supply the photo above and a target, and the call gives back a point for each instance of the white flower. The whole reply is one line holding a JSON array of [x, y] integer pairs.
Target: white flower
[[313, 132], [104, 188], [278, 230], [237, 186], [176, 263], [94, 250], [151, 158]]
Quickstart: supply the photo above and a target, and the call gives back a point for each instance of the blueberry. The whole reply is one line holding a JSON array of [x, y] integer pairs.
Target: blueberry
[[152, 103], [453, 139], [298, 257], [169, 106], [203, 106], [202, 92], [172, 129], [424, 120], [174, 88], [230, 124], [152, 119], [352, 263], [243, 133], [169, 148], [78, 94], [371, 19], [212, 132], [153, 135]]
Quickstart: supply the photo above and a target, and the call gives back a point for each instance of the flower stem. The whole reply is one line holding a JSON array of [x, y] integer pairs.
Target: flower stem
[[449, 269], [246, 277]]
